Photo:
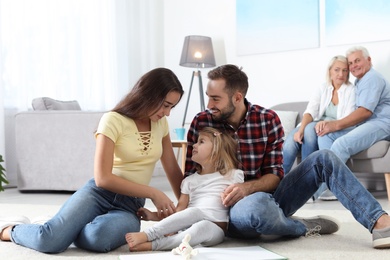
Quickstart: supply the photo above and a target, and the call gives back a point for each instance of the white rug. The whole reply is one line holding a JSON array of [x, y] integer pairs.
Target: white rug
[[352, 241]]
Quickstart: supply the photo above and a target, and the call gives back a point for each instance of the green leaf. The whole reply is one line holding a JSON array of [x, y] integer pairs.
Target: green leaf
[[3, 177]]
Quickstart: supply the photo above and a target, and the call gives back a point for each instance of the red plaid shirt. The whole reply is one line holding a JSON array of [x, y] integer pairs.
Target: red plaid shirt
[[260, 139]]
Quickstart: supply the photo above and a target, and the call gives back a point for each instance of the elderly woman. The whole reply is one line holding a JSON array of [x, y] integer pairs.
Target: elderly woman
[[335, 99]]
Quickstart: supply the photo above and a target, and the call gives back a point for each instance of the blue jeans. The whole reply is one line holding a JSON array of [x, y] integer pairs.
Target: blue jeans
[[92, 218], [264, 213], [291, 148], [350, 141]]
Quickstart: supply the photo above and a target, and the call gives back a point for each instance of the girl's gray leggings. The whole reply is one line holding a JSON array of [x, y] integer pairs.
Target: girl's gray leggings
[[189, 221]]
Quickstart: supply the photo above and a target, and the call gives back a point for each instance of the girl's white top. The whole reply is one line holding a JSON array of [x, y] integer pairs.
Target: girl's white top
[[205, 192]]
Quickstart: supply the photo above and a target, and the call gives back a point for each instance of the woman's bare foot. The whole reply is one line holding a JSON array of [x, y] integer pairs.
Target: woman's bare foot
[[134, 239], [147, 246], [4, 234]]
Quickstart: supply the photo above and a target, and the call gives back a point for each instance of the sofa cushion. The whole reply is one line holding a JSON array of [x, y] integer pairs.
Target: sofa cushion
[[45, 103], [288, 120]]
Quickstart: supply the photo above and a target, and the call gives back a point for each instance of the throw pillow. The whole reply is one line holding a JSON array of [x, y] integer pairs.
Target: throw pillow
[[45, 103], [288, 120]]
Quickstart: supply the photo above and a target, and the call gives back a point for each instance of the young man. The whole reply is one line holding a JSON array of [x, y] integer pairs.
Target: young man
[[264, 203]]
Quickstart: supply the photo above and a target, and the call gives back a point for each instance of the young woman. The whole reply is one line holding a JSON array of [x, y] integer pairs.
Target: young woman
[[130, 139], [200, 211]]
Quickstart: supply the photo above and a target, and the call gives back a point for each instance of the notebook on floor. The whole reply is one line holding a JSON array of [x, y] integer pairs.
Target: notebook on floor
[[205, 253]]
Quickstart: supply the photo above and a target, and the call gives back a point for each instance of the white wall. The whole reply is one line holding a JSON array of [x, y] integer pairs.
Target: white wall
[[273, 77]]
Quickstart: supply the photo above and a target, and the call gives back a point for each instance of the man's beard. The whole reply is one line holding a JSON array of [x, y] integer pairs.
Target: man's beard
[[225, 113]]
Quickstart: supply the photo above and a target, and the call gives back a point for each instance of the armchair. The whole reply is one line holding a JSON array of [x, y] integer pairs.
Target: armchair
[[372, 160]]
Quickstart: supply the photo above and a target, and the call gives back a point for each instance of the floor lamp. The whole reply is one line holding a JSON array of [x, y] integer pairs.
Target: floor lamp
[[197, 53]]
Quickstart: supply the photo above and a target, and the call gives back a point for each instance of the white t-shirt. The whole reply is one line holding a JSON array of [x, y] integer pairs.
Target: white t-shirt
[[205, 192]]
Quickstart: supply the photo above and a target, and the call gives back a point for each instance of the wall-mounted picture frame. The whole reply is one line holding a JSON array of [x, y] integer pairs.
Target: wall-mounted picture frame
[[266, 26], [353, 21]]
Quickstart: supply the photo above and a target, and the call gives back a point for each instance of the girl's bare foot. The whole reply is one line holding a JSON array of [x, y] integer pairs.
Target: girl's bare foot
[[4, 234], [134, 239], [147, 246]]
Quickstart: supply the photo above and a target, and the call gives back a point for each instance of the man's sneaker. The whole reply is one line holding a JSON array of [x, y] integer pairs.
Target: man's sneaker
[[319, 225], [313, 232], [327, 195], [381, 238]]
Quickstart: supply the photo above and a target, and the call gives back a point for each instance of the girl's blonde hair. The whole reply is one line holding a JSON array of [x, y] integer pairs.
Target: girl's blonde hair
[[224, 151]]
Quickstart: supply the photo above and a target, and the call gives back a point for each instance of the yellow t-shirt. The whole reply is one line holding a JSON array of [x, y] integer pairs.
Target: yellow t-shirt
[[134, 157]]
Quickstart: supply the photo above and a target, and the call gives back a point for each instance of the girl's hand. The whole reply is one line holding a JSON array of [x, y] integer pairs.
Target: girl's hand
[[145, 214], [164, 205]]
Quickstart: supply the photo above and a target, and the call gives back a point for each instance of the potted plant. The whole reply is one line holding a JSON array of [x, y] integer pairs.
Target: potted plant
[[3, 178]]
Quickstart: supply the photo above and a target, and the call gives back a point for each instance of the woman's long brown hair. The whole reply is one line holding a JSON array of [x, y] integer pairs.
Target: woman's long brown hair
[[149, 93]]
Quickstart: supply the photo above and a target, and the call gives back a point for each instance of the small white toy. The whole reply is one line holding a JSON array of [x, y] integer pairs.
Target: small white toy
[[184, 249]]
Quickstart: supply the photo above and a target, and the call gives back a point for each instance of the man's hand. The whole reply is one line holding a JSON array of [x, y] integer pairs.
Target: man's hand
[[234, 193], [326, 127]]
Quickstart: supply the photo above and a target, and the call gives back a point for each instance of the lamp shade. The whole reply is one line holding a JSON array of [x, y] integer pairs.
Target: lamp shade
[[197, 52]]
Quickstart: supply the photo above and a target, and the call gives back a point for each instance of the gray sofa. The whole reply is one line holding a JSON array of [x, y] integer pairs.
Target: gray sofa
[[55, 149], [375, 159]]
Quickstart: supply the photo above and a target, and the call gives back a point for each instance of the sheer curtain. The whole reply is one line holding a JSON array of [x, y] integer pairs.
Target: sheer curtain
[[91, 51], [64, 49]]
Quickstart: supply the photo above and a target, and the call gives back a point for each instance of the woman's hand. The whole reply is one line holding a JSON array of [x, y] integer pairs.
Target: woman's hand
[[164, 205], [298, 137], [319, 127]]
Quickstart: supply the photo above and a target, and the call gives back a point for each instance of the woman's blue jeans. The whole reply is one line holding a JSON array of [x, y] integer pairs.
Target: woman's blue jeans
[[292, 148], [92, 218], [309, 146], [264, 213]]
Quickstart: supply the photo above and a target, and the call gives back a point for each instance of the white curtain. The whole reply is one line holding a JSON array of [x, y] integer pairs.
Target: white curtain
[[91, 51], [88, 50]]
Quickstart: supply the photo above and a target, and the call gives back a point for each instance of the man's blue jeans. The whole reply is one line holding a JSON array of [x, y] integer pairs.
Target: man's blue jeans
[[350, 141], [93, 218], [264, 213]]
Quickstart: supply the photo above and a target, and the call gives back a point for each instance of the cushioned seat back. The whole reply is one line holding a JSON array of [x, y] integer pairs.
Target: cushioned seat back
[[299, 107], [290, 114], [45, 103]]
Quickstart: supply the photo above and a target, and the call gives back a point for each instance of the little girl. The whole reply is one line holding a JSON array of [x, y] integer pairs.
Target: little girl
[[199, 211]]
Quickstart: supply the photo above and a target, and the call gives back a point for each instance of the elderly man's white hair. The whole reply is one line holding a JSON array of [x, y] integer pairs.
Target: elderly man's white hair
[[358, 48]]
